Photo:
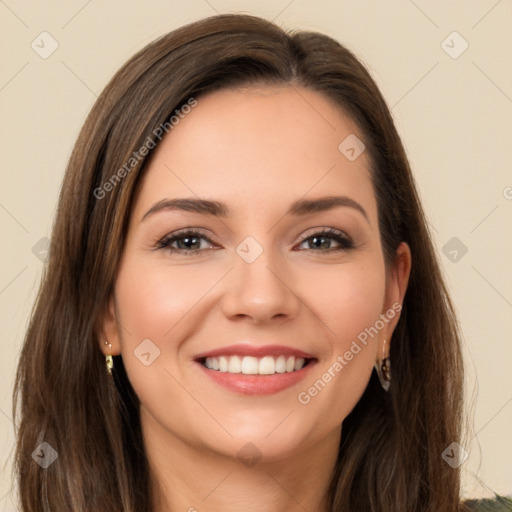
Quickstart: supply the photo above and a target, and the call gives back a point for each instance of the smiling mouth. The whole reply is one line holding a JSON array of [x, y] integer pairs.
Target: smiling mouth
[[249, 365]]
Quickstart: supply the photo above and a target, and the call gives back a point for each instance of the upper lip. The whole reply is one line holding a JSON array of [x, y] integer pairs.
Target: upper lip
[[244, 349]]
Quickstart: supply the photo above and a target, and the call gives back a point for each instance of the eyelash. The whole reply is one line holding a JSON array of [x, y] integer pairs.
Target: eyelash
[[346, 243]]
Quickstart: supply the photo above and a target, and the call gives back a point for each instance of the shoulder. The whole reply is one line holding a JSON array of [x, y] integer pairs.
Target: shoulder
[[498, 504]]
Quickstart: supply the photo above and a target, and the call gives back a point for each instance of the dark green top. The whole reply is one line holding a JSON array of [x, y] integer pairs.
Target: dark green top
[[498, 504]]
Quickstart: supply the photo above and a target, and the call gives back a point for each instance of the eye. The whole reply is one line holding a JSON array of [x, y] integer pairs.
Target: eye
[[189, 241], [185, 242], [323, 239]]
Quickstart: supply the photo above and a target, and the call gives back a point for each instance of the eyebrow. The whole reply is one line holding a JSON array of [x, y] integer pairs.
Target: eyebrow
[[218, 209]]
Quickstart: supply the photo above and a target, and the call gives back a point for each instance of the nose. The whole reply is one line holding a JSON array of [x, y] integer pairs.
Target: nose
[[260, 291]]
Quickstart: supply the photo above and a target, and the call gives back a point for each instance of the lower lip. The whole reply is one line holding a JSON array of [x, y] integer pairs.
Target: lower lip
[[257, 384]]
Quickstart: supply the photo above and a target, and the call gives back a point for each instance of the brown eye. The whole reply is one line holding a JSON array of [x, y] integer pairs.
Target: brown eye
[[186, 242], [323, 240]]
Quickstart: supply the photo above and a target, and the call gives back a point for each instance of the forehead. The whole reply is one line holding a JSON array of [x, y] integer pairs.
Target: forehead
[[258, 147]]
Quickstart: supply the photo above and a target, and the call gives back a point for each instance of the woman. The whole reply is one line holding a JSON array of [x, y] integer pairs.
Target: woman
[[240, 241]]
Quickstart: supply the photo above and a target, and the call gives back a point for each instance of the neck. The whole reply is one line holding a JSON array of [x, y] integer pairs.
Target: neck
[[192, 478]]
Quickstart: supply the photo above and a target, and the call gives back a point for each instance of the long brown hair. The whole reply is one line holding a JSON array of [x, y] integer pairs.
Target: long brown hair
[[390, 452]]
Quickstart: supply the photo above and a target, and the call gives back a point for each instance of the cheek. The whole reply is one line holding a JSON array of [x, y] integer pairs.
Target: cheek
[[155, 302], [152, 299], [350, 305], [349, 299]]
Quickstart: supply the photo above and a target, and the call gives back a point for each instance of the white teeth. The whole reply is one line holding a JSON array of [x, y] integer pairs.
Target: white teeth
[[267, 366], [250, 365], [281, 364], [223, 364], [234, 364], [299, 363]]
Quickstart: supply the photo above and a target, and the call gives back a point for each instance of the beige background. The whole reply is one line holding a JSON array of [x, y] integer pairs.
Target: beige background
[[454, 114]]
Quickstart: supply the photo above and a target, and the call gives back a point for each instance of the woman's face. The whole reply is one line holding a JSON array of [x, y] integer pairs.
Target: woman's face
[[279, 277]]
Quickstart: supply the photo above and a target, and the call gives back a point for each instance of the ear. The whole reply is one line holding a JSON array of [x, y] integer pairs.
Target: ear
[[397, 279], [108, 331]]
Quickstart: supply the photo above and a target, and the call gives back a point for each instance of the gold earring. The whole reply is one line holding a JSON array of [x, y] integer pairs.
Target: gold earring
[[383, 369], [108, 359]]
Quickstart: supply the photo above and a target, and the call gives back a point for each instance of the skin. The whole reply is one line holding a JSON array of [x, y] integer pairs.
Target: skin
[[257, 150]]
